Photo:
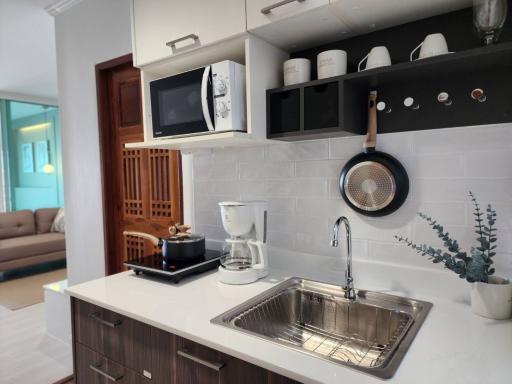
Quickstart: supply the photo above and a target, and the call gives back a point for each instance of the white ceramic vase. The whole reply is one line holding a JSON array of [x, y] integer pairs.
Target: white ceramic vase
[[492, 300]]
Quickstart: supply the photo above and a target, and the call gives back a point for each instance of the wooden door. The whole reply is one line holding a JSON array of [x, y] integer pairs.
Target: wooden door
[[141, 187]]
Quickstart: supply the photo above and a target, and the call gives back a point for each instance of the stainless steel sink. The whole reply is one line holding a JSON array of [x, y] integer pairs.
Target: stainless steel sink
[[370, 334]]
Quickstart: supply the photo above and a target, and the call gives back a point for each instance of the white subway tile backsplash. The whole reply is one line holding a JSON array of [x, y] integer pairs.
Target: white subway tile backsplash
[[345, 147], [308, 150], [488, 164], [260, 170], [297, 187], [298, 224], [398, 254], [281, 240], [456, 140], [321, 207], [319, 168], [457, 189], [438, 166], [300, 182], [281, 205]]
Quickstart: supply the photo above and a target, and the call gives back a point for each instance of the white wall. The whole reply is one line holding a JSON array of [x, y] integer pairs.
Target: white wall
[[300, 181], [91, 32]]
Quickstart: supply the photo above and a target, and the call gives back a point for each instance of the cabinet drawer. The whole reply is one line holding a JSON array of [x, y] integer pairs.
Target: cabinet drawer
[[119, 338], [93, 368], [196, 363]]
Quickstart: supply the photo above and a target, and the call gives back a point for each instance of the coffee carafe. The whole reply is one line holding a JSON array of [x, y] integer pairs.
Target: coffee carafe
[[244, 254]]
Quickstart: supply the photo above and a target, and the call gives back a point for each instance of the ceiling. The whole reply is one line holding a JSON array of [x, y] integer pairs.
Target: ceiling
[[27, 49]]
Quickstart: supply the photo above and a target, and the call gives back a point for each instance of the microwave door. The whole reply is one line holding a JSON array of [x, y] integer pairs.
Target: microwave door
[[182, 104], [206, 87]]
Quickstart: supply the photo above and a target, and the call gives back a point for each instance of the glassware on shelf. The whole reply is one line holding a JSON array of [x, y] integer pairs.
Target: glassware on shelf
[[489, 17]]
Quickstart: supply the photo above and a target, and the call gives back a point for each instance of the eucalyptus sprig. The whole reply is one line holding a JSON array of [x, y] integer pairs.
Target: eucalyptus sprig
[[474, 267]]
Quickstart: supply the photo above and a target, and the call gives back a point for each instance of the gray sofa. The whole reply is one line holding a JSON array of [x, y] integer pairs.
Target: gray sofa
[[26, 239]]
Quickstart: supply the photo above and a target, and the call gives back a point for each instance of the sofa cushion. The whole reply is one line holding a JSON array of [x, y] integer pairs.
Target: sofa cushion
[[18, 223], [25, 246], [44, 219], [59, 224]]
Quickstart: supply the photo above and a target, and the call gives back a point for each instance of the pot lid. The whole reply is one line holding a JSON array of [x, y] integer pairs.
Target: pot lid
[[192, 238]]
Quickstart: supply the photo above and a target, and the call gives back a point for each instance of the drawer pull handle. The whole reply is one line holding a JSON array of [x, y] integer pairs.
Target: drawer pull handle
[[215, 366], [112, 324], [172, 43], [267, 10], [97, 368]]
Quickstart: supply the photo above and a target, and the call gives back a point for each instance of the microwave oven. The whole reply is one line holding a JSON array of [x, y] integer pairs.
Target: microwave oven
[[205, 100]]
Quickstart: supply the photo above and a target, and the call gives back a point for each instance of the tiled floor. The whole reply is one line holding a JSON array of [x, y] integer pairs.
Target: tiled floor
[[28, 355]]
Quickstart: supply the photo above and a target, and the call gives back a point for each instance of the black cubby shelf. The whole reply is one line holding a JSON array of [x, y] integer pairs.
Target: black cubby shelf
[[337, 106]]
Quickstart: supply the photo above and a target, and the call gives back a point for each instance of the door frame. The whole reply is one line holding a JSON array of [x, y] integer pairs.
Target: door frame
[[106, 143]]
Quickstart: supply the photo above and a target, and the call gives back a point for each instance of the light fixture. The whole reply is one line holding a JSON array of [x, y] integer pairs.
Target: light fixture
[[48, 168], [34, 127]]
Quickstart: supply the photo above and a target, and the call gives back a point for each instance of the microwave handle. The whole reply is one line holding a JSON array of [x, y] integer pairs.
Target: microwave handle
[[204, 99]]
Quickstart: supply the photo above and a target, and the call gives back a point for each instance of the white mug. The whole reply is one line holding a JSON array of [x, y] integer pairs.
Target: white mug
[[433, 45], [331, 63], [377, 57], [296, 71]]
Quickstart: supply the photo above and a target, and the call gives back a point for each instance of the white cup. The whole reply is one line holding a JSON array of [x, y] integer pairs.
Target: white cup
[[296, 71], [377, 57], [433, 45], [331, 63]]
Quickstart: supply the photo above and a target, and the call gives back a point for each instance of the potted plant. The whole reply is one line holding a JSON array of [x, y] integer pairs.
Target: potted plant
[[491, 296]]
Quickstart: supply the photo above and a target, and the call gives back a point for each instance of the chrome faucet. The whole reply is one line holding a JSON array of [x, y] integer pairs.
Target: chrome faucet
[[350, 292]]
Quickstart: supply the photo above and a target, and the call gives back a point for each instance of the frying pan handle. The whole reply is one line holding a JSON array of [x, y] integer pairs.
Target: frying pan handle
[[155, 240], [371, 135]]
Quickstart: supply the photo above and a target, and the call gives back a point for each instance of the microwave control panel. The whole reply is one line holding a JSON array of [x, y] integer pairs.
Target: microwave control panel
[[228, 82]]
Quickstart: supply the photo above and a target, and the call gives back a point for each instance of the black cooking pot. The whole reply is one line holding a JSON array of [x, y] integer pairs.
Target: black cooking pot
[[175, 247]]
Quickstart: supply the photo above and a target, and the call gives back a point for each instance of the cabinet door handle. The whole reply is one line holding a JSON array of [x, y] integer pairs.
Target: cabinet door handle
[[267, 10], [97, 368], [112, 324], [172, 43], [212, 365]]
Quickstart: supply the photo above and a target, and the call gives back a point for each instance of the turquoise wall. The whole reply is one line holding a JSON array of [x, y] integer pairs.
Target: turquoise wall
[[26, 126]]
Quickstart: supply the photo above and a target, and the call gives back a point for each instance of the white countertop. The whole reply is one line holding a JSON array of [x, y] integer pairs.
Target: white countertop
[[453, 345]]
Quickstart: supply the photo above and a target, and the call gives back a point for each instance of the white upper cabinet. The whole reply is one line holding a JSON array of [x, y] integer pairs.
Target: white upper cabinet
[[162, 28], [363, 16], [262, 12], [294, 24]]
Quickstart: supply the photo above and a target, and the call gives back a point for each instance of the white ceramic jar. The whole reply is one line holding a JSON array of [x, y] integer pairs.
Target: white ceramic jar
[[296, 71], [331, 63]]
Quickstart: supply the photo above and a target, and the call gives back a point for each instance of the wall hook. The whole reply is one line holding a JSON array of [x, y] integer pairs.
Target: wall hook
[[479, 95], [381, 106], [409, 102], [444, 98]]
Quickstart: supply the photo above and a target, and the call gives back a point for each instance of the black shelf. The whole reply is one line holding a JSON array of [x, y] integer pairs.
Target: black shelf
[[489, 68]]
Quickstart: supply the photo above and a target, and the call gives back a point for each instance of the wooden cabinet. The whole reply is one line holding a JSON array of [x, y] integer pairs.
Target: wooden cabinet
[[263, 12], [116, 337], [196, 363], [111, 347], [93, 368], [156, 24]]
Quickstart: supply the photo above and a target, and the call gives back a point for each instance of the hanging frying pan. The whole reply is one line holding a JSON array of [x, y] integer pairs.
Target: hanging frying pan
[[373, 183]]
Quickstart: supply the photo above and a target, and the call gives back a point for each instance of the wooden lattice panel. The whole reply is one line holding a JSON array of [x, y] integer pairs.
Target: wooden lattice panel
[[132, 182], [134, 247], [160, 185]]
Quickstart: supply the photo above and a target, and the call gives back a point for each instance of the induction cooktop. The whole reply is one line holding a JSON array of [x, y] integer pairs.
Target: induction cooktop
[[174, 270]]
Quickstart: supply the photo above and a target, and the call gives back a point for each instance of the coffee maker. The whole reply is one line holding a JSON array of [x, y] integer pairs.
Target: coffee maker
[[244, 256]]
